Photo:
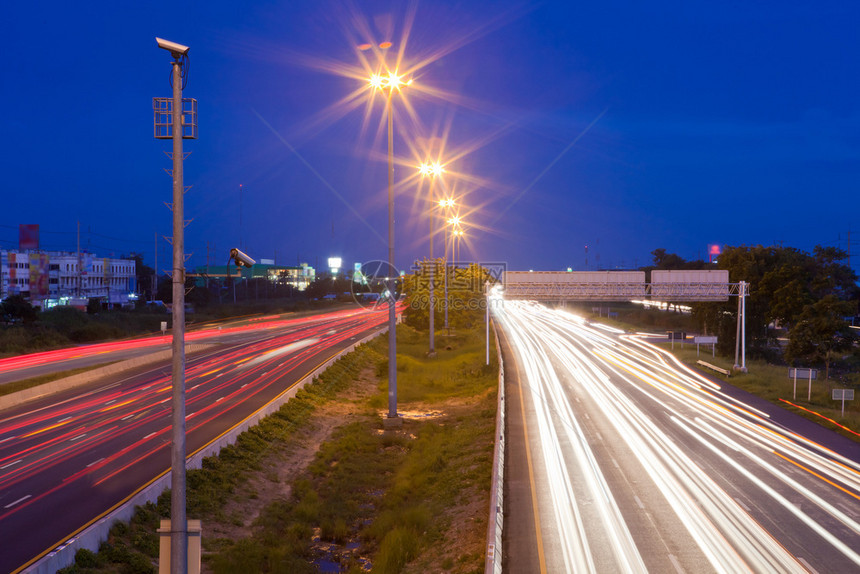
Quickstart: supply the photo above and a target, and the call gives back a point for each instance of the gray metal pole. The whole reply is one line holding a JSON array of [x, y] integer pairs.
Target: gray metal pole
[[178, 521], [392, 281], [744, 326], [738, 331], [446, 281], [487, 299], [432, 266]]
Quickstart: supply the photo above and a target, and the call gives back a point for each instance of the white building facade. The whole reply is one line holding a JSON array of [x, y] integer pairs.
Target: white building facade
[[49, 278]]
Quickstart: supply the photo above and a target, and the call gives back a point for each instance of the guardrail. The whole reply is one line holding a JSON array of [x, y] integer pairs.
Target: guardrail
[[94, 533], [726, 372], [493, 561]]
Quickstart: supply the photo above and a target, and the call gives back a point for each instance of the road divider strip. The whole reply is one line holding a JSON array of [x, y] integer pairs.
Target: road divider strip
[[50, 388]]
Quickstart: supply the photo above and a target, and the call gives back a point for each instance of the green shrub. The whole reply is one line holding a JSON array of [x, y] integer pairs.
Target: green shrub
[[398, 547], [86, 558]]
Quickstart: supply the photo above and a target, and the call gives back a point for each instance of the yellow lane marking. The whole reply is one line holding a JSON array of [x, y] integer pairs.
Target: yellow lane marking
[[813, 473], [541, 558]]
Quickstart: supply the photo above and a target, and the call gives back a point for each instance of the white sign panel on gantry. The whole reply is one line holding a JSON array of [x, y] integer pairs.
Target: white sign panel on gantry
[[690, 285], [575, 285]]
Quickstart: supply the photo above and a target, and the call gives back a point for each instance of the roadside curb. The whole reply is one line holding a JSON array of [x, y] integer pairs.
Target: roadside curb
[[44, 390]]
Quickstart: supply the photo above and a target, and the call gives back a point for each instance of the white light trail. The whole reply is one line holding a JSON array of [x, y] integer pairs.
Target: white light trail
[[715, 464]]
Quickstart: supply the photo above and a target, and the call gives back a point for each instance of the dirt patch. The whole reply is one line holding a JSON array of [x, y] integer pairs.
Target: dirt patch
[[462, 543], [285, 464]]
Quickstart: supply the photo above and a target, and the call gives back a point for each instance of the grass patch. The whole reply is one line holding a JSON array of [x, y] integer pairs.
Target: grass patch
[[393, 492], [15, 386]]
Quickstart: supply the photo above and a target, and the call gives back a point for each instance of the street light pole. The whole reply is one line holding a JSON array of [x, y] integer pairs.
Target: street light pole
[[433, 170], [432, 268], [392, 281], [447, 234]]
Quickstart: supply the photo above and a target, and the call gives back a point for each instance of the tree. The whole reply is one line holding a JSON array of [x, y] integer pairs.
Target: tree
[[821, 333], [143, 274], [16, 308], [465, 296], [663, 260]]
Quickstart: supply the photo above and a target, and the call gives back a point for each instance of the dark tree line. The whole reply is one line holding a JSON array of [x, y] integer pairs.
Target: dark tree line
[[811, 296]]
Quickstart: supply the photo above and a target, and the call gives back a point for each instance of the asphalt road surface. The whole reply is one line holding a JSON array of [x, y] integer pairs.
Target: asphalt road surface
[[68, 458], [622, 460]]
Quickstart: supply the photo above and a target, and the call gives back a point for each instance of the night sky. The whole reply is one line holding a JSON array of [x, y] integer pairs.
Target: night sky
[[622, 125]]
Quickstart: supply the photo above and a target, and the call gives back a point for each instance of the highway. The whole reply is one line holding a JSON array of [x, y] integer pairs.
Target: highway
[[68, 458], [622, 460]]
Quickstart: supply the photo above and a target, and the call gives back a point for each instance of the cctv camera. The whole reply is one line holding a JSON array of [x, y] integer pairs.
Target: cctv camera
[[240, 258], [177, 50]]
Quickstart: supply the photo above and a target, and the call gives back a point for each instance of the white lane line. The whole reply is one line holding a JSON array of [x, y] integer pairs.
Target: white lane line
[[11, 464], [599, 436], [125, 418], [219, 400], [149, 435], [741, 502], [243, 386], [22, 499], [194, 387], [107, 403], [95, 462], [64, 420], [846, 508], [807, 565], [615, 462], [77, 437], [676, 564], [639, 502]]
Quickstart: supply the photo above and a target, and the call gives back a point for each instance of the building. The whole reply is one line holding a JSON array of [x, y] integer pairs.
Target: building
[[298, 277], [50, 278]]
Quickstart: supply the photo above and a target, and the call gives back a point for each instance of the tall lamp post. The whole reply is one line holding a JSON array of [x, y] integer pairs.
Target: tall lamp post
[[390, 83], [453, 223], [432, 170], [173, 121]]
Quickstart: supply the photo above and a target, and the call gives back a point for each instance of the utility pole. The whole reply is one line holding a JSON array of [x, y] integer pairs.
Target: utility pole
[[171, 123]]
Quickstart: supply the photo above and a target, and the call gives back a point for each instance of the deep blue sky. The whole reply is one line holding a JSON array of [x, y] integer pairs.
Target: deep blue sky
[[621, 125]]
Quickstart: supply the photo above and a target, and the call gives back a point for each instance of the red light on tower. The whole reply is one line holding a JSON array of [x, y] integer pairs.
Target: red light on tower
[[713, 252]]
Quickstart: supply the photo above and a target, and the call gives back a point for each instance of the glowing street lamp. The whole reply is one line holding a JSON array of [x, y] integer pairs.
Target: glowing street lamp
[[432, 170], [390, 82]]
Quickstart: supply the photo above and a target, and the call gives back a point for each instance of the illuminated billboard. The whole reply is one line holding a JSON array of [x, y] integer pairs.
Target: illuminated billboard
[[28, 237]]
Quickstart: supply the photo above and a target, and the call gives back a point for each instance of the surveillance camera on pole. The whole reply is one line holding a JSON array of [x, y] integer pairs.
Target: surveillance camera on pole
[[176, 50], [241, 259]]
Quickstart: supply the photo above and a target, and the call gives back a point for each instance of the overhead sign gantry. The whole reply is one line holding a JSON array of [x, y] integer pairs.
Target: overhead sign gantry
[[666, 285]]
